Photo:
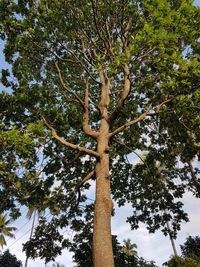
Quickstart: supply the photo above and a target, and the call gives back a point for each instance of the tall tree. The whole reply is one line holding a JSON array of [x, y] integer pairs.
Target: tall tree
[[91, 78], [5, 229]]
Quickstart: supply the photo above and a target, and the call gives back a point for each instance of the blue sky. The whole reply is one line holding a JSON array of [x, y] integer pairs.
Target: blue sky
[[150, 246]]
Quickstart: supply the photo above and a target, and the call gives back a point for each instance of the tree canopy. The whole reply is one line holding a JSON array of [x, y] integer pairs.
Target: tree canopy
[[93, 81]]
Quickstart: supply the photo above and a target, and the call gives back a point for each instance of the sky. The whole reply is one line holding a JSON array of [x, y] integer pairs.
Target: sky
[[155, 247]]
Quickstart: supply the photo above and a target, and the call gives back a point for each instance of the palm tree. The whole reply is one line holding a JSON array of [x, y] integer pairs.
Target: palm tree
[[5, 230], [32, 212], [129, 249], [130, 252]]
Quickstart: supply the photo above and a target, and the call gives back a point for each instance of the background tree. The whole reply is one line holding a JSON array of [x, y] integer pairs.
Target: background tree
[[5, 229], [191, 247], [178, 261], [125, 73], [190, 252], [130, 252], [128, 248], [9, 260]]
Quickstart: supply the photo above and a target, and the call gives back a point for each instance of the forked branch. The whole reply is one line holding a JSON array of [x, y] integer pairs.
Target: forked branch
[[68, 144], [86, 126], [124, 95], [141, 117]]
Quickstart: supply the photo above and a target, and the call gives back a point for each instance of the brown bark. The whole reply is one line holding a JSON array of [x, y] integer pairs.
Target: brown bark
[[102, 240]]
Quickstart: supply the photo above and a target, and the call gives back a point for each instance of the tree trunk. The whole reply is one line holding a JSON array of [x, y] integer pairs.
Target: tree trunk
[[102, 239], [172, 241], [32, 228], [171, 238]]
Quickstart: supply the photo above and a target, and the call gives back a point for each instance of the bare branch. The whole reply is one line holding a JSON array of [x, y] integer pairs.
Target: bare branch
[[163, 103], [124, 94], [123, 127], [146, 54], [96, 23], [80, 62], [141, 117], [122, 144], [86, 126], [66, 88], [68, 144], [158, 109], [85, 179]]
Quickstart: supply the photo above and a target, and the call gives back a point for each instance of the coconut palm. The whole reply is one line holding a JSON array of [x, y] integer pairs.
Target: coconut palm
[[32, 212], [129, 249], [130, 252], [5, 230]]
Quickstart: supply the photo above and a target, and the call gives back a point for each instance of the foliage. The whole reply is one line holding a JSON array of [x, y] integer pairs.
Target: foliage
[[5, 229], [9, 260], [182, 262], [145, 56], [57, 265], [144, 263], [191, 247]]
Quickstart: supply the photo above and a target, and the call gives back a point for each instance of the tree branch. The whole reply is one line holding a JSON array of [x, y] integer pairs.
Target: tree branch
[[141, 117], [86, 127], [163, 103], [122, 144], [123, 127], [124, 95], [160, 106], [85, 179], [68, 144], [66, 88], [96, 24], [80, 62]]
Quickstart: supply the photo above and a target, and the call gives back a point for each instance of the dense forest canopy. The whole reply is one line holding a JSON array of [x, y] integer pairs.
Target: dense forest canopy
[[93, 81]]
